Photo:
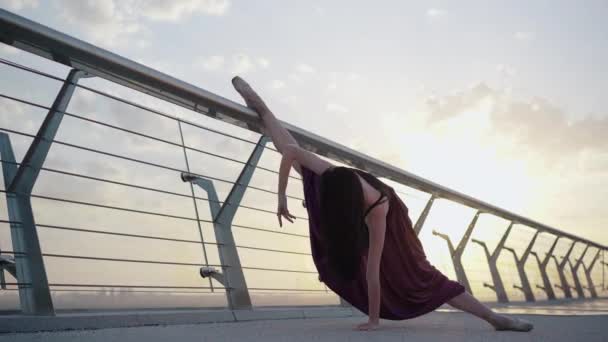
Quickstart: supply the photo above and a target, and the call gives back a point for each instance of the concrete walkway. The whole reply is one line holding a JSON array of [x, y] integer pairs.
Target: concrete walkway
[[584, 321], [438, 326]]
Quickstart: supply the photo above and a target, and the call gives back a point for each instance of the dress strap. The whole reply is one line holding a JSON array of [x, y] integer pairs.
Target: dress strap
[[378, 201]]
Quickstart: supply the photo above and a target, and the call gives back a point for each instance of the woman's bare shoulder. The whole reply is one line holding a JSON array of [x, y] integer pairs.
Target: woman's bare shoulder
[[370, 193]]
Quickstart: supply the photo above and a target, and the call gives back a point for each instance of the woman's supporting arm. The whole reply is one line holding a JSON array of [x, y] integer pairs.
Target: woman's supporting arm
[[377, 233]]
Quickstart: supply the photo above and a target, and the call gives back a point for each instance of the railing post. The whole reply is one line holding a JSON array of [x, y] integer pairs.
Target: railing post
[[543, 270], [520, 263], [7, 262], [34, 292], [604, 287], [588, 271], [563, 282], [28, 171], [603, 273], [560, 271], [522, 268], [233, 276], [424, 214], [571, 266], [577, 283], [2, 278], [539, 263], [457, 252], [498, 285]]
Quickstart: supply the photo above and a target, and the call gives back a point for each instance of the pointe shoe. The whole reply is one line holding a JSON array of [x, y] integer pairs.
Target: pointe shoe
[[516, 324], [252, 99]]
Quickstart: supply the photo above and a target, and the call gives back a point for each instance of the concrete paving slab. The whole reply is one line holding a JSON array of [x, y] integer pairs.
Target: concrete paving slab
[[436, 326]]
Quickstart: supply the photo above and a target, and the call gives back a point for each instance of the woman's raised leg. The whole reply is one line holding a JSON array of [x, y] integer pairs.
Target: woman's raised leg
[[279, 135], [470, 304]]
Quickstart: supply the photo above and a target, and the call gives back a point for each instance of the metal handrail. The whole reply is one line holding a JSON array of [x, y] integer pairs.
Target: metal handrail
[[48, 43]]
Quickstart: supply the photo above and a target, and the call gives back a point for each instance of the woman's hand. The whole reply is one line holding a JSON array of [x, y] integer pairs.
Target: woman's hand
[[369, 325], [282, 210]]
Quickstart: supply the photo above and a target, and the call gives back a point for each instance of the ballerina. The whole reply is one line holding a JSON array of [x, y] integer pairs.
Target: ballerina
[[362, 241]]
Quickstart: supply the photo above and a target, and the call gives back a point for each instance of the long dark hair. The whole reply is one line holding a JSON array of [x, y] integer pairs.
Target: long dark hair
[[342, 223]]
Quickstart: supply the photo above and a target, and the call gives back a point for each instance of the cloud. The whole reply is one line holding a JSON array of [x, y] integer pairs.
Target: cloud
[[277, 84], [524, 36], [291, 99], [162, 10], [336, 108], [239, 63], [210, 63], [435, 13], [242, 64], [534, 125], [18, 116], [100, 21], [336, 78], [263, 62], [506, 70], [114, 22], [305, 68], [319, 10], [17, 5], [295, 77], [352, 76]]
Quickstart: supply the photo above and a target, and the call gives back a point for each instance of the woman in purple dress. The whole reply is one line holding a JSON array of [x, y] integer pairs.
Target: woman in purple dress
[[362, 240]]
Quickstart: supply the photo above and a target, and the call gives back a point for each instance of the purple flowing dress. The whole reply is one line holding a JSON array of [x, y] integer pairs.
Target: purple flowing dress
[[410, 285]]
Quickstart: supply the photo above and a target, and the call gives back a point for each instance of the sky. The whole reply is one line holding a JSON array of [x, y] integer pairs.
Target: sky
[[503, 101]]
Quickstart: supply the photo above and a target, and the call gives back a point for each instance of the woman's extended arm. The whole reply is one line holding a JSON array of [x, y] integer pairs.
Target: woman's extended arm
[[305, 159]]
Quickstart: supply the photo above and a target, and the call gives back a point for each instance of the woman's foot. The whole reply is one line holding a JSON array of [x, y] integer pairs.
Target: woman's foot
[[502, 323], [252, 99]]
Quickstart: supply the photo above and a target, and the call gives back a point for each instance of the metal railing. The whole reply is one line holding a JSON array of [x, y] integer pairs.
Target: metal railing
[[26, 261]]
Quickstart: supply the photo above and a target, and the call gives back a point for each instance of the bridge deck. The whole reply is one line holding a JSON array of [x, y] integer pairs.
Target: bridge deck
[[562, 321]]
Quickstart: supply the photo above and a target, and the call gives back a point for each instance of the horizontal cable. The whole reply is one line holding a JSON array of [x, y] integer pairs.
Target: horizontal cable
[[18, 284], [163, 262], [122, 234], [272, 250], [131, 286], [276, 270], [276, 289], [168, 142], [118, 293], [141, 161], [269, 211], [268, 230], [153, 237], [13, 252], [108, 207], [104, 94], [67, 256], [105, 180], [127, 102], [115, 208], [165, 239], [150, 236]]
